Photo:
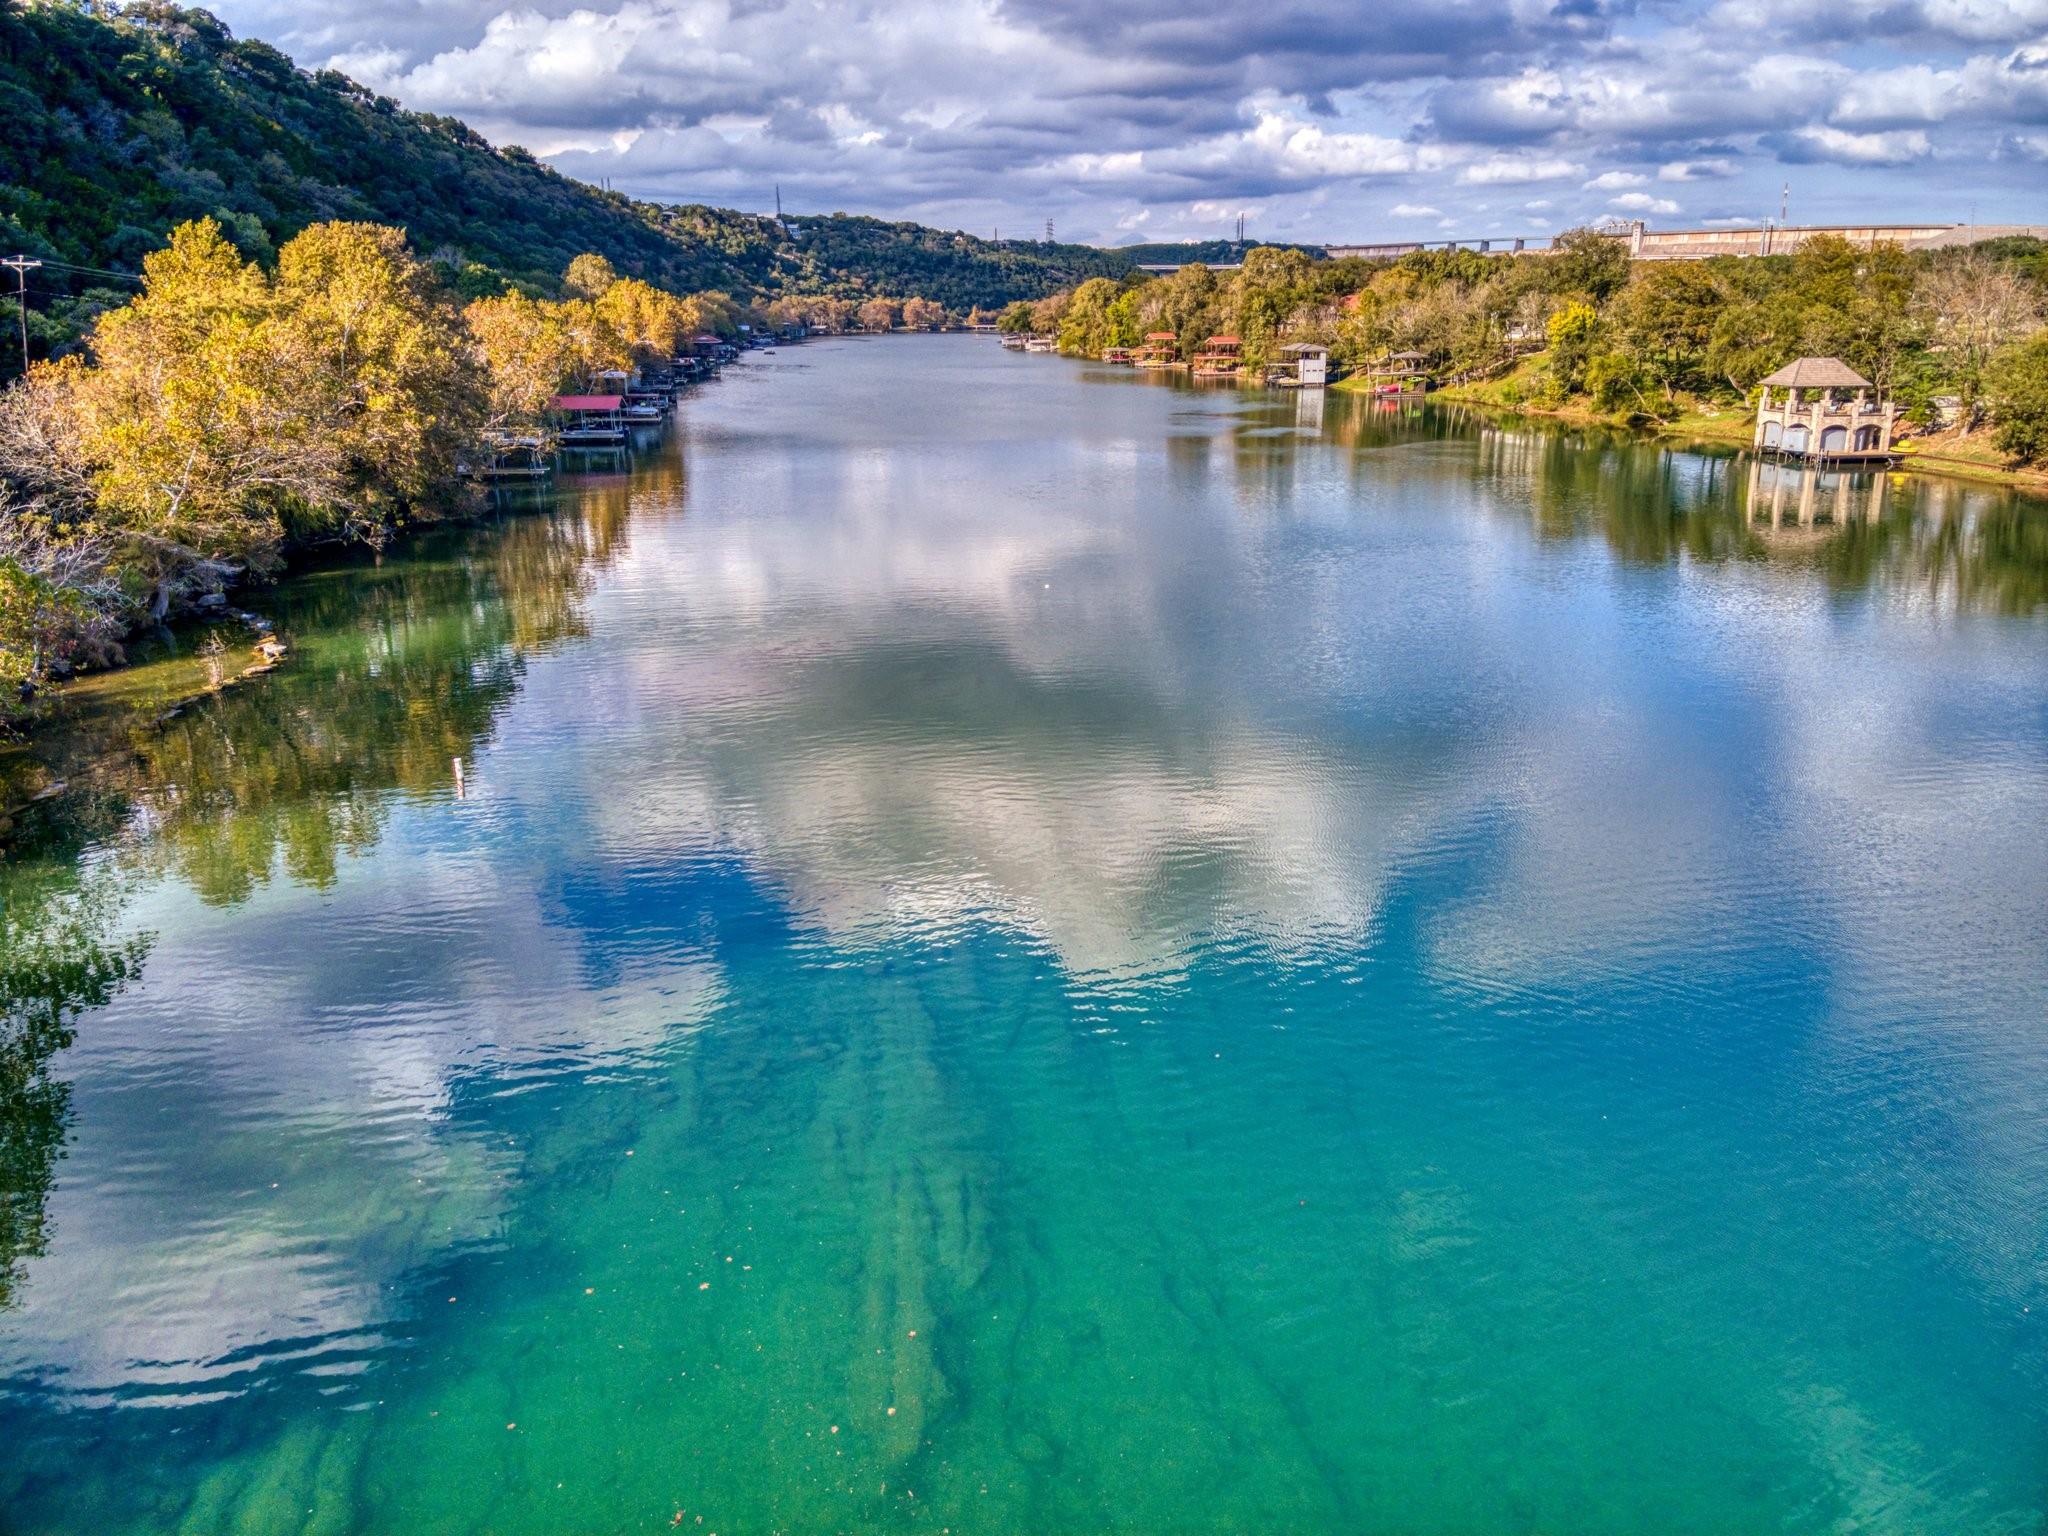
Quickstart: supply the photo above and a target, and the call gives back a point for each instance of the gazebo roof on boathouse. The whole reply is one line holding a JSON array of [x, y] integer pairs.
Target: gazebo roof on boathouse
[[1816, 373]]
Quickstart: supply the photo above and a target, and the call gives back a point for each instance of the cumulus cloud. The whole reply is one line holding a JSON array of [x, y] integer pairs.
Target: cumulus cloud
[[1696, 170], [1498, 170], [1415, 211], [1896, 148], [1642, 202], [979, 113]]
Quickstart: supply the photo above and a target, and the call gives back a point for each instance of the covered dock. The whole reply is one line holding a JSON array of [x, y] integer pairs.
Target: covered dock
[[1161, 350], [1399, 373], [1220, 358], [590, 421]]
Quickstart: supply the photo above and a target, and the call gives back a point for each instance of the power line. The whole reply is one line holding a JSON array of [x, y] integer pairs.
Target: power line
[[21, 266], [72, 266]]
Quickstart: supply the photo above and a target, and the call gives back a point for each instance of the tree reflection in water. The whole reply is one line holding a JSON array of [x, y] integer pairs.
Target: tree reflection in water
[[398, 668], [59, 956], [401, 667]]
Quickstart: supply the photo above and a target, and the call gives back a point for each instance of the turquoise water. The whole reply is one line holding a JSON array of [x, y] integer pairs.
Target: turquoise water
[[1023, 949]]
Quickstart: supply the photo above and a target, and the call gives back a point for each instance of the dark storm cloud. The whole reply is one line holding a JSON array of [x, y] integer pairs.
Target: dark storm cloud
[[1151, 118]]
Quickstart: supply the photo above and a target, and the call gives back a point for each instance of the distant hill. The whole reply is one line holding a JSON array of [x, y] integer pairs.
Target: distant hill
[[116, 129]]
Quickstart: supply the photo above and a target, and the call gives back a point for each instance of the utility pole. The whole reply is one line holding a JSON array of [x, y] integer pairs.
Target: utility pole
[[21, 267], [778, 202], [1784, 203], [1048, 231]]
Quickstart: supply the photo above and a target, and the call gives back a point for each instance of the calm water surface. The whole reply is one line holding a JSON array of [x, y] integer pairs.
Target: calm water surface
[[1026, 949]]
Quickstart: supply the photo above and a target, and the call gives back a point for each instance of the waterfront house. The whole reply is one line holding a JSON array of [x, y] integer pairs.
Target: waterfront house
[[1821, 408], [1119, 355], [1220, 358], [1303, 365], [1161, 350]]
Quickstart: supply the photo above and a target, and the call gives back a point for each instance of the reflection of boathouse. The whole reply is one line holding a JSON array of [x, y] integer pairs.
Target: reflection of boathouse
[[1827, 411], [1782, 498]]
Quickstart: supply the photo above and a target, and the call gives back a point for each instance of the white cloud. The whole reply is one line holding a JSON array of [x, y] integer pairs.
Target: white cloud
[[1895, 148], [1642, 202], [1414, 211], [1985, 20], [1499, 170], [1695, 170], [973, 113]]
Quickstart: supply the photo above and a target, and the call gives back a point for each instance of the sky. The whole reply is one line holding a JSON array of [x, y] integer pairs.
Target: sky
[[1323, 121]]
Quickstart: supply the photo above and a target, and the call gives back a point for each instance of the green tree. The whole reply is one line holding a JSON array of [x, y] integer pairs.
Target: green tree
[[1584, 261], [1665, 317], [1086, 321], [2018, 397]]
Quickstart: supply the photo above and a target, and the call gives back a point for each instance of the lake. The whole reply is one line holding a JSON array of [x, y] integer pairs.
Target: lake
[[1020, 947]]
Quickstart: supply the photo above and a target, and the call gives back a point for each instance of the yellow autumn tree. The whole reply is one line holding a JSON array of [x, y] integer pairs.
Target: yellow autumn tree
[[194, 446], [652, 324], [528, 354], [594, 341], [377, 362], [717, 312], [589, 275]]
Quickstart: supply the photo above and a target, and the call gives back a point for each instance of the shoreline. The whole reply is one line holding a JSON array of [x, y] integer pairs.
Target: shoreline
[[1734, 432]]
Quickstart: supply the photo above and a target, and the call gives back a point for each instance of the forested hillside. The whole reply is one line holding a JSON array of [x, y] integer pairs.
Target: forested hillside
[[121, 126]]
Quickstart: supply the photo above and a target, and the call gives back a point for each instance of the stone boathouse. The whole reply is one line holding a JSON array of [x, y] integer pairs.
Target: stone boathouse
[[1821, 408]]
